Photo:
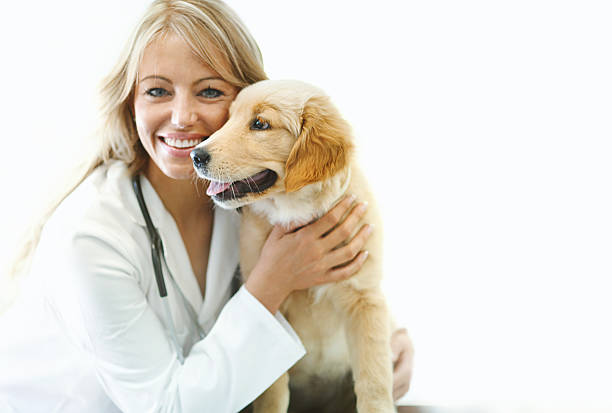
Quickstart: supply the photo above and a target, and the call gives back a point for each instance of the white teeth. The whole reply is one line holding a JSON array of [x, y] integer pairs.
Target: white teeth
[[181, 143]]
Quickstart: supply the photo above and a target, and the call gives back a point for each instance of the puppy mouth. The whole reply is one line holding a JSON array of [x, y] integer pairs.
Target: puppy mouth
[[224, 191]]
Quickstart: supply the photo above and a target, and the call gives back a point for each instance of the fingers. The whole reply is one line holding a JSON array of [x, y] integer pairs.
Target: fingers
[[343, 232], [403, 355], [328, 221], [347, 270], [398, 343], [350, 251], [401, 385], [346, 260], [402, 376]]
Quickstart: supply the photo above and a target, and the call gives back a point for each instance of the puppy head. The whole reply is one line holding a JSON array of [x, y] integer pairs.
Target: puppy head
[[280, 137]]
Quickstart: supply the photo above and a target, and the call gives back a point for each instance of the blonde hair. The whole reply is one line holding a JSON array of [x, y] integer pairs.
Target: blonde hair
[[215, 34]]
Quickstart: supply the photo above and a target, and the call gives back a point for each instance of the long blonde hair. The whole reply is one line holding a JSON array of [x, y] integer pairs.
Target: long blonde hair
[[215, 34]]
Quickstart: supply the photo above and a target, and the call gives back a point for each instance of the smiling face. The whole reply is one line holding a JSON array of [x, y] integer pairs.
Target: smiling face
[[178, 102]]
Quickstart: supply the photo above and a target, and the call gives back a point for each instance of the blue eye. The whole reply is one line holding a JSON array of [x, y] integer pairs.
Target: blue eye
[[211, 93], [157, 92], [259, 124]]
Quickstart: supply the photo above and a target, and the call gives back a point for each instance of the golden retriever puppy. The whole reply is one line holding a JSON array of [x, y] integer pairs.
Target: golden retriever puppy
[[285, 157]]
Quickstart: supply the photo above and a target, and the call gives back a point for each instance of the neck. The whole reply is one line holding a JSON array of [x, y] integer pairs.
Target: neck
[[185, 199]]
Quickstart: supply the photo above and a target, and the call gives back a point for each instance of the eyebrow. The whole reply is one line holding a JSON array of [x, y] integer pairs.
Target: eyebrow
[[168, 80]]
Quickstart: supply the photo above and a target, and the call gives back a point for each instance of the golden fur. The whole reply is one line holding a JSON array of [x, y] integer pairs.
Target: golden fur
[[344, 326]]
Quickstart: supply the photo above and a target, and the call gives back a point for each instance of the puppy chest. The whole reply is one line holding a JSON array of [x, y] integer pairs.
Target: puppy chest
[[322, 331]]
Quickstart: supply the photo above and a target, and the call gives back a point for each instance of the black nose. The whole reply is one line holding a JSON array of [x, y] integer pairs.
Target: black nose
[[200, 157]]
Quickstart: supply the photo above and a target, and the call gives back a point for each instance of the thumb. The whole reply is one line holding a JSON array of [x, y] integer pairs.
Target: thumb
[[277, 232], [291, 227], [280, 230]]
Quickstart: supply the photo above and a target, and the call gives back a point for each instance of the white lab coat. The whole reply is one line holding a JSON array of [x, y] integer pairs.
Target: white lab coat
[[88, 333]]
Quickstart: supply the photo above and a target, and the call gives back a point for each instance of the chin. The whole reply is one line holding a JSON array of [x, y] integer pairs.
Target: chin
[[180, 173]]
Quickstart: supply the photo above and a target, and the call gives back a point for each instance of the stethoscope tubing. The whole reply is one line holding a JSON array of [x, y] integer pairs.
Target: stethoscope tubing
[[157, 252]]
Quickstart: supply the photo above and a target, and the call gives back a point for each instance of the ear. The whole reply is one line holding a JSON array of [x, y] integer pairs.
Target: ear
[[323, 147]]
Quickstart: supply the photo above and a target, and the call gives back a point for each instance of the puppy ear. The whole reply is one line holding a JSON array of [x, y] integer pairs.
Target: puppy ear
[[323, 147]]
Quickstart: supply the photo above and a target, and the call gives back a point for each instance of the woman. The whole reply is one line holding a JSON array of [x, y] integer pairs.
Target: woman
[[99, 337]]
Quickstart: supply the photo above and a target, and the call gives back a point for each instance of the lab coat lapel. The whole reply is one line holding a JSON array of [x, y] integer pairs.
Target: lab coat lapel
[[222, 262], [179, 264]]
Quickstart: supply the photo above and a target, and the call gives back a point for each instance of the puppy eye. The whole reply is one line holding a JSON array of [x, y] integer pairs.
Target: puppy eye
[[259, 124]]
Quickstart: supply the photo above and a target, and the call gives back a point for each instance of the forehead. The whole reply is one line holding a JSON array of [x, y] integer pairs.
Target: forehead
[[170, 56]]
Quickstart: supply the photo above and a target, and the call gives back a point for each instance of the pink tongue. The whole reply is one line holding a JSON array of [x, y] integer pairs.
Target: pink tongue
[[216, 187]]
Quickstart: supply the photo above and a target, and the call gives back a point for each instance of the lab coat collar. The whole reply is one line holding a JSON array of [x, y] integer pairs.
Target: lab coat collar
[[222, 262]]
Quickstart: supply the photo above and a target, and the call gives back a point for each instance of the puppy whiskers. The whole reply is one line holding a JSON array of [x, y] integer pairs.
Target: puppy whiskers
[[232, 188], [250, 178]]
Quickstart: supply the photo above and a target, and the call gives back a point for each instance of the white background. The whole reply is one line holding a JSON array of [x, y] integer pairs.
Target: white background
[[484, 126]]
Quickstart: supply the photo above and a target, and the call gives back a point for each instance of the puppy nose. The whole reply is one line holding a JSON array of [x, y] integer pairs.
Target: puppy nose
[[200, 157]]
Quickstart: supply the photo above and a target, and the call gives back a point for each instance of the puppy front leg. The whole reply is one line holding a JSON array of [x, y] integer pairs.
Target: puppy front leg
[[368, 334], [275, 399]]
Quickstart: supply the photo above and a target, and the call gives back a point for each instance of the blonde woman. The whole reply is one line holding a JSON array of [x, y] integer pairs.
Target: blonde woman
[[97, 331]]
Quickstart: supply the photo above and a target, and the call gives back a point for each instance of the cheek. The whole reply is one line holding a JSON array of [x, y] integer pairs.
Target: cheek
[[143, 132], [217, 116], [147, 120]]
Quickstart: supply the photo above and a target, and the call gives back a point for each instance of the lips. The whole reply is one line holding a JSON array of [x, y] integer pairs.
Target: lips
[[257, 183], [180, 145], [182, 141]]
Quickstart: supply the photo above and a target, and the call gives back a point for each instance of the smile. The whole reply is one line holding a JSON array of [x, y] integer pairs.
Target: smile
[[225, 191], [182, 143]]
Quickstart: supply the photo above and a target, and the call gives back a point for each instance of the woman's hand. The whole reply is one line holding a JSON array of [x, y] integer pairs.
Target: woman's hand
[[402, 351], [294, 259]]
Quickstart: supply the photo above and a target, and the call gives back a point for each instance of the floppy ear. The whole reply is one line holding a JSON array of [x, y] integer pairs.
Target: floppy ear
[[323, 147]]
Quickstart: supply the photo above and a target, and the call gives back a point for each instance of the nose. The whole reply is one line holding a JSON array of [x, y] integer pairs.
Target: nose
[[200, 157], [183, 114]]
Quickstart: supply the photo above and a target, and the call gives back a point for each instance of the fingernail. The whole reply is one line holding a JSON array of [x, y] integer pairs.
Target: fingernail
[[365, 254], [352, 198], [370, 228], [363, 206]]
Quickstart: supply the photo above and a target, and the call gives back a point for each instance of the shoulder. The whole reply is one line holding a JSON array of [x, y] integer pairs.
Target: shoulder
[[98, 215], [95, 207]]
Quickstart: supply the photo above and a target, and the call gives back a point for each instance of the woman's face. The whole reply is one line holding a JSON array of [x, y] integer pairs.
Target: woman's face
[[178, 102]]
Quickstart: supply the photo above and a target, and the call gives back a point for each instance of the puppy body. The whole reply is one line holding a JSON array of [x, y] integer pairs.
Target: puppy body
[[345, 326], [333, 321]]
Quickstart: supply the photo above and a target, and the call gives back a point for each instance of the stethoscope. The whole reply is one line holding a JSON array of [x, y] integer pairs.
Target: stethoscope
[[157, 252]]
